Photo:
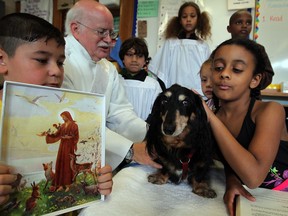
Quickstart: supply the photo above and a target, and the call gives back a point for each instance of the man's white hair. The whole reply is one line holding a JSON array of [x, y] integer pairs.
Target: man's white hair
[[74, 14]]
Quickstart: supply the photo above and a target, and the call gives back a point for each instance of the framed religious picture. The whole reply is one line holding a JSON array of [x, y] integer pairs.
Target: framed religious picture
[[54, 138]]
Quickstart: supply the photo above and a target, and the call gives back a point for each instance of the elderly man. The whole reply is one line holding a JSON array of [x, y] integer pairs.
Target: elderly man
[[89, 29]]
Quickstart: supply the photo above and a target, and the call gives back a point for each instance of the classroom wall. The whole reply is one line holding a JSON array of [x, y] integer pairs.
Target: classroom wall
[[219, 21], [271, 31]]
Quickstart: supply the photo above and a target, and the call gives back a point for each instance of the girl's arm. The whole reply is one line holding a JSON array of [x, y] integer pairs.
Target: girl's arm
[[252, 165]]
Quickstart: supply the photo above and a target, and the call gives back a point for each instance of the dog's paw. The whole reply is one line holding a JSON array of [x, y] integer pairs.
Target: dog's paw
[[204, 192], [158, 178], [202, 188]]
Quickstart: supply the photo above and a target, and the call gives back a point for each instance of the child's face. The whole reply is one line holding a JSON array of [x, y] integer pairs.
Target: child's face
[[133, 62], [38, 62], [206, 80], [241, 25], [189, 19], [232, 71]]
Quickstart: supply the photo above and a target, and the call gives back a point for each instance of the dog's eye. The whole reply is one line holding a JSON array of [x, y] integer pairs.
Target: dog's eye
[[163, 102], [185, 103]]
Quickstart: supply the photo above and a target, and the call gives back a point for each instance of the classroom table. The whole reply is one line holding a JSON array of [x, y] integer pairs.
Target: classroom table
[[133, 195]]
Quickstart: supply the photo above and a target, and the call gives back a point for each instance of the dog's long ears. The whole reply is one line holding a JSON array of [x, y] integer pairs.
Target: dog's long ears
[[153, 121], [155, 110], [200, 112]]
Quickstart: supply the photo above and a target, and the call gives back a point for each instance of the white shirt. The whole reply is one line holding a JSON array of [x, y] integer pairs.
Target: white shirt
[[84, 74], [179, 61], [142, 94]]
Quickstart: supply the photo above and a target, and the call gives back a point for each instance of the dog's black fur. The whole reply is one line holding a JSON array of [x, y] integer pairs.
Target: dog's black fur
[[178, 128]]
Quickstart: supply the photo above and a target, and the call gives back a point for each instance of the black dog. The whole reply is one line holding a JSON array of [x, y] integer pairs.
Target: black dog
[[179, 137]]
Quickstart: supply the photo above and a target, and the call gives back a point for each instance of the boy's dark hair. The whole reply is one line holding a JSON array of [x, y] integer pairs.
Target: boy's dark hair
[[255, 50], [19, 28], [138, 44], [235, 14]]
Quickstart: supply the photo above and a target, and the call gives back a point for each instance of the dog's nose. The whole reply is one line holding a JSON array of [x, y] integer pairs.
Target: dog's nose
[[169, 129]]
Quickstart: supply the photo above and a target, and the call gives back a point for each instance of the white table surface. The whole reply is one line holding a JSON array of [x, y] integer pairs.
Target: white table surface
[[133, 195]]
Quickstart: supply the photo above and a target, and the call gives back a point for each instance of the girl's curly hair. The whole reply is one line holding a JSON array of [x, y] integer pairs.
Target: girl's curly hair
[[203, 27]]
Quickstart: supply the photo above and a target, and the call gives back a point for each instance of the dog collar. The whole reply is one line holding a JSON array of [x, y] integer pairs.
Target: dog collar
[[185, 164]]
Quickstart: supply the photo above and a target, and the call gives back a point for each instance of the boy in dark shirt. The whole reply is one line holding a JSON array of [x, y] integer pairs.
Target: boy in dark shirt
[[240, 26]]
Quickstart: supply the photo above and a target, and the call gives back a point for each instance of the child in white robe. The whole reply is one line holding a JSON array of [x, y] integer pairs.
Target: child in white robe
[[184, 50], [141, 89]]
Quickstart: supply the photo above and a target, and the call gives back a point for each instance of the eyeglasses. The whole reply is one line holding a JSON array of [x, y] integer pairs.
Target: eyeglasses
[[102, 32]]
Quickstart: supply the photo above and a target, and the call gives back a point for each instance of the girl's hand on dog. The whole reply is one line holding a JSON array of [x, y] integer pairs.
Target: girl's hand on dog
[[141, 156], [208, 111]]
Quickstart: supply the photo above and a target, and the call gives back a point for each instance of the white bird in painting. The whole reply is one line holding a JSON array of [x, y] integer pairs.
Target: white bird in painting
[[31, 100], [61, 98]]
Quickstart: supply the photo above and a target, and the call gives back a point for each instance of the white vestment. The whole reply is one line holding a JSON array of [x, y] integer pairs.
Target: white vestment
[[142, 94], [179, 61], [84, 74]]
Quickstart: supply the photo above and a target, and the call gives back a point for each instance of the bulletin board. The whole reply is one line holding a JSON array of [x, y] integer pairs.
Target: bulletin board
[[40, 8], [271, 29]]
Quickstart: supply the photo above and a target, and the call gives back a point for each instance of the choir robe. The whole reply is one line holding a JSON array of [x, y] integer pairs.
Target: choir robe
[[179, 61]]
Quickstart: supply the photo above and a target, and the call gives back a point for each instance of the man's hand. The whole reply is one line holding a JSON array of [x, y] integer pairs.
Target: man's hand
[[141, 156]]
